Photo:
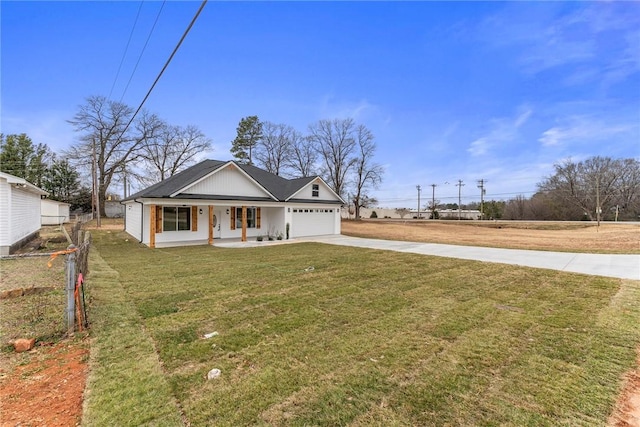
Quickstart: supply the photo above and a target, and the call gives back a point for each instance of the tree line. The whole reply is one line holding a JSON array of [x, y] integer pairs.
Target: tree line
[[341, 151], [115, 145], [596, 188]]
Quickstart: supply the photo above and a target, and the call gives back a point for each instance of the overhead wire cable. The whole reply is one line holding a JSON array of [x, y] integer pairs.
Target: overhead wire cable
[[142, 51], [204, 2], [126, 49]]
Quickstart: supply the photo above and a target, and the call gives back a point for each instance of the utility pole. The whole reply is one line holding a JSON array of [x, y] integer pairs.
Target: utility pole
[[459, 185], [598, 208], [418, 188], [482, 192], [433, 201], [96, 184]]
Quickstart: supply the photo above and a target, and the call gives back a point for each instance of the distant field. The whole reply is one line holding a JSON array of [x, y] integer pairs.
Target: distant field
[[538, 235]]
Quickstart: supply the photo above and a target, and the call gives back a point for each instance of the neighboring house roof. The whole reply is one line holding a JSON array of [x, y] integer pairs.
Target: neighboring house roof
[[22, 183], [280, 188]]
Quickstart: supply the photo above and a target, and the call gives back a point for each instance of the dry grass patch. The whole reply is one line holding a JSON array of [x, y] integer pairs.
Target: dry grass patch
[[37, 315], [551, 236]]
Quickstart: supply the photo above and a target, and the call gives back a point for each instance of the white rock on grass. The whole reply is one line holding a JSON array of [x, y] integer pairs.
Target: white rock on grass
[[210, 335], [213, 374]]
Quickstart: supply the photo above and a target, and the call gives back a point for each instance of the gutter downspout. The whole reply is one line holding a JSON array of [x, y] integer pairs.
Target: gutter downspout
[[141, 220]]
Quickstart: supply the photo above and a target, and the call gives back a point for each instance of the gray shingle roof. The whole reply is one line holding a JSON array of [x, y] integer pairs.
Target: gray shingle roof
[[280, 187], [180, 180]]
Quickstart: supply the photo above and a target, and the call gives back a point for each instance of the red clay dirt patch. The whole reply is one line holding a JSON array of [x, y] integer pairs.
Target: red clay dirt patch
[[627, 413], [47, 390]]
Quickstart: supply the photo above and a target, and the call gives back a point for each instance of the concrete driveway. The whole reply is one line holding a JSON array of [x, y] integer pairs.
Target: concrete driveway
[[609, 265]]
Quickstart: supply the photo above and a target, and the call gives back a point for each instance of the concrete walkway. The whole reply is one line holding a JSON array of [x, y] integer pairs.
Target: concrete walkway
[[609, 265]]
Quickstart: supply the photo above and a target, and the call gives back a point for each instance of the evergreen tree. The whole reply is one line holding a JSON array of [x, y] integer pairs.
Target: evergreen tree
[[20, 157], [62, 181], [249, 134]]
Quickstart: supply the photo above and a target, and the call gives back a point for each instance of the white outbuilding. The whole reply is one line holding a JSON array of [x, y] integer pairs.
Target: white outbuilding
[[54, 212], [20, 212]]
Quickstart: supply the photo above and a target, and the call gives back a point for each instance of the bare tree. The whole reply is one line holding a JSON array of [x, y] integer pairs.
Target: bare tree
[[367, 173], [303, 156], [172, 149], [593, 185], [516, 208], [335, 143], [106, 142], [275, 147], [627, 198], [402, 212]]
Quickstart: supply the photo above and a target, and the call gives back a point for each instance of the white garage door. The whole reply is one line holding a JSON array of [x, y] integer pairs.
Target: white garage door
[[313, 222]]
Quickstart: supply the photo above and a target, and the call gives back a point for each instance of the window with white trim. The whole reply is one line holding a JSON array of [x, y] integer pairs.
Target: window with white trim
[[315, 190], [251, 217], [176, 218]]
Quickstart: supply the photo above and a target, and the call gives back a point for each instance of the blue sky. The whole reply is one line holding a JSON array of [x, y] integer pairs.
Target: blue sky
[[498, 91]]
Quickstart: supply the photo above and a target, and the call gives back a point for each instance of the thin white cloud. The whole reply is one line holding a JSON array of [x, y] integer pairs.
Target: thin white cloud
[[582, 129], [479, 147], [503, 130], [600, 39], [360, 110], [523, 117]]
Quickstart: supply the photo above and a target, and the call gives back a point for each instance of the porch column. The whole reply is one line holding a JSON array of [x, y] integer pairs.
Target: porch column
[[244, 223], [211, 225], [152, 226]]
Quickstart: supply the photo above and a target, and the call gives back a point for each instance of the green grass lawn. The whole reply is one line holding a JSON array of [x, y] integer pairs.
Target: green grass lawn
[[363, 338]]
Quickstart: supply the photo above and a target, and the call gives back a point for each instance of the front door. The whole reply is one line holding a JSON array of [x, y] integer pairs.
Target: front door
[[217, 216]]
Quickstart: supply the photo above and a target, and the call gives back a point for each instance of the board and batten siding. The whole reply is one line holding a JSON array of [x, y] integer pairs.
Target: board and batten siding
[[133, 220], [227, 182]]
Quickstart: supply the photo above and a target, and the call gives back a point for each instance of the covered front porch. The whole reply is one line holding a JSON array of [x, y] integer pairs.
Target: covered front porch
[[195, 224]]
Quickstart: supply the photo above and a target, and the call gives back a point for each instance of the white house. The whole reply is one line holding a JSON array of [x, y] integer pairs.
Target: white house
[[224, 200], [53, 212], [19, 212]]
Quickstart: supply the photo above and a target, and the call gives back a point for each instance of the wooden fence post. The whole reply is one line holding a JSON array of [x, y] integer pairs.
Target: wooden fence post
[[70, 275]]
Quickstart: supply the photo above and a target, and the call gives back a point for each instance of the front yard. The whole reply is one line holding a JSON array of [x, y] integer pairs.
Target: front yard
[[311, 334]]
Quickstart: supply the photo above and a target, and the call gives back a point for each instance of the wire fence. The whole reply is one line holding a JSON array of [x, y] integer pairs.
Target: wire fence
[[76, 268], [45, 298]]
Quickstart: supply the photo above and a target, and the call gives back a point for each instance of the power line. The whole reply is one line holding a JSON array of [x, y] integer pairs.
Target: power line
[[487, 195], [126, 49], [142, 52], [165, 66]]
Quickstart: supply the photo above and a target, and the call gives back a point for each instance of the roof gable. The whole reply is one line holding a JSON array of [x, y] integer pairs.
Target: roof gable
[[228, 180], [178, 181], [307, 192]]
